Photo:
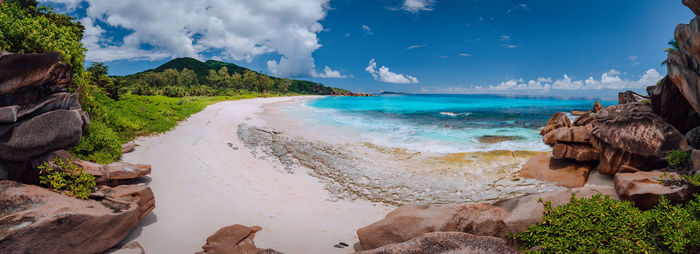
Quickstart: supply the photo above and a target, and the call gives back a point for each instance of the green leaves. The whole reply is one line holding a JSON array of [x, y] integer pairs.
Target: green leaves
[[67, 178], [27, 29], [601, 224], [677, 157]]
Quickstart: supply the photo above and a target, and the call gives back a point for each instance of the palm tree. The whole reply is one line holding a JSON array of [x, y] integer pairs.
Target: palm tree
[[673, 48]]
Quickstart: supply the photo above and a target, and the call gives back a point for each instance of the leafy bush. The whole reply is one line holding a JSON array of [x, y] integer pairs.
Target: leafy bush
[[99, 144], [691, 181], [67, 178], [604, 225], [28, 28], [677, 157], [679, 161]]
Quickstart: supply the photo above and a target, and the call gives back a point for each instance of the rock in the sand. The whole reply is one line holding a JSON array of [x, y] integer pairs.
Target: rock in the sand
[[446, 242], [631, 134], [527, 210], [119, 171], [58, 129], [584, 120], [410, 221], [630, 96], [268, 251], [234, 239], [645, 188], [128, 147], [110, 174], [683, 65], [32, 215], [28, 78], [597, 107], [578, 113], [509, 216], [557, 121], [574, 151], [694, 5], [576, 134], [4, 174], [8, 114], [695, 157], [496, 139], [133, 247], [53, 102], [668, 102], [693, 137], [565, 173]]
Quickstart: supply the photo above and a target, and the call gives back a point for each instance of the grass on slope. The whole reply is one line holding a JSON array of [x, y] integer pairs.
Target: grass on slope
[[133, 115]]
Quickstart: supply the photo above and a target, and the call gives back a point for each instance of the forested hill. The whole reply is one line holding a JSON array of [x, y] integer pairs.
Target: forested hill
[[217, 75]]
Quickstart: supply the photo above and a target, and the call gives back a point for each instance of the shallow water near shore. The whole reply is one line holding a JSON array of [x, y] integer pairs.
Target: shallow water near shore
[[426, 149], [437, 123]]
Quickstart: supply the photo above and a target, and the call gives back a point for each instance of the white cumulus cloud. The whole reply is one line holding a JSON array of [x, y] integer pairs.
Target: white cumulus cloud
[[608, 80], [328, 73], [238, 30], [416, 6], [383, 74]]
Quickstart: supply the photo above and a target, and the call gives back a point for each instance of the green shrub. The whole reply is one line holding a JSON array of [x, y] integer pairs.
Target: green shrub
[[67, 178], [99, 144], [692, 182], [603, 225], [677, 157], [679, 162]]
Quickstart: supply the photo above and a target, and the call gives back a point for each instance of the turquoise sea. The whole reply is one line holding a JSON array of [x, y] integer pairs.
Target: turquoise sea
[[440, 123]]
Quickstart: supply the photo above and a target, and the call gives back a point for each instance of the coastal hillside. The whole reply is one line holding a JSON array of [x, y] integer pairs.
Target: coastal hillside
[[217, 77]]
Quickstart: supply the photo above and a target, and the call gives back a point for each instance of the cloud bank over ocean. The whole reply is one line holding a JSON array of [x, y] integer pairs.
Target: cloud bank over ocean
[[609, 82]]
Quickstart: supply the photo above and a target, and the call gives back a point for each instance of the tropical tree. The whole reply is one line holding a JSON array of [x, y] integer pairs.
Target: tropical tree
[[187, 78], [250, 80], [283, 85], [98, 76], [265, 83], [673, 48]]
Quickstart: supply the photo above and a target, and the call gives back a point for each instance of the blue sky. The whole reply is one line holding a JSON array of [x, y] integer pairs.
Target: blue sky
[[522, 47]]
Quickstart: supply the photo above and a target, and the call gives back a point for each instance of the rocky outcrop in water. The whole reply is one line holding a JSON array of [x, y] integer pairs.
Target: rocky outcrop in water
[[446, 243], [630, 135], [508, 216]]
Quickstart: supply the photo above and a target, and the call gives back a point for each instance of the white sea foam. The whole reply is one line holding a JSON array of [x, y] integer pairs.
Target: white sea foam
[[452, 114], [401, 133]]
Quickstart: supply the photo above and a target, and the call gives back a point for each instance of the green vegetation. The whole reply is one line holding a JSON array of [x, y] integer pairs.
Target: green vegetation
[[190, 77], [122, 108], [673, 47], [679, 161], [604, 225], [27, 28], [67, 178], [120, 121], [677, 157]]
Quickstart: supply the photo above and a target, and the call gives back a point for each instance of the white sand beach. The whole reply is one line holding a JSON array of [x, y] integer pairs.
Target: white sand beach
[[204, 179]]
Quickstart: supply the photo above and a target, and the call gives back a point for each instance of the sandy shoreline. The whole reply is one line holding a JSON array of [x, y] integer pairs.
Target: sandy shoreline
[[204, 179]]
